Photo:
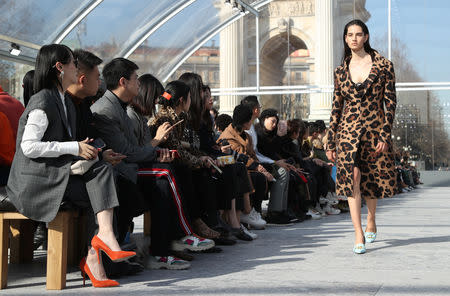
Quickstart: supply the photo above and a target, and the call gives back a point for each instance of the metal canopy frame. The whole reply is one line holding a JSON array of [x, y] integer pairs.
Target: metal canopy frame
[[20, 42], [72, 23], [202, 40], [22, 59], [152, 26], [217, 29]]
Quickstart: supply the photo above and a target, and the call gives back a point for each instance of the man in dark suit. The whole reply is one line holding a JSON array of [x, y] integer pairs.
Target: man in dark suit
[[155, 187]]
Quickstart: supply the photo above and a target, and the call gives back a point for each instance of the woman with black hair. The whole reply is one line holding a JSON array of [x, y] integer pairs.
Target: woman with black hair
[[27, 84], [235, 173], [43, 161], [359, 138], [192, 165], [142, 107]]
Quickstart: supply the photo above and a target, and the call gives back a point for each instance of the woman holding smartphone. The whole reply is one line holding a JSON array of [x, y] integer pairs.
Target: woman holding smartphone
[[359, 138]]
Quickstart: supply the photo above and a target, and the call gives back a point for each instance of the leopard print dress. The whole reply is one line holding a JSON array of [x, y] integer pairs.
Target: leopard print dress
[[362, 116]]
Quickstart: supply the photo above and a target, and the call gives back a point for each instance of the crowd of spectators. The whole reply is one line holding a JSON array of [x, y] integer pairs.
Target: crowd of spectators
[[208, 179]]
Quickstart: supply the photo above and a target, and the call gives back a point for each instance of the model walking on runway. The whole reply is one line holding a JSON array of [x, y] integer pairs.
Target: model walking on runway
[[359, 138]]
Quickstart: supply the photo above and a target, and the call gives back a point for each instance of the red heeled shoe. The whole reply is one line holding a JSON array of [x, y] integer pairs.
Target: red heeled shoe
[[96, 283], [116, 256]]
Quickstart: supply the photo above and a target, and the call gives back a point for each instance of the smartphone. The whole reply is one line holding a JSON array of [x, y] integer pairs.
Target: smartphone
[[177, 123], [98, 143], [214, 166], [174, 152]]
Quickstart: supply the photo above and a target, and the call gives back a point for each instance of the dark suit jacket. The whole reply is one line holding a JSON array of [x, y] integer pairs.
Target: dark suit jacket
[[115, 128]]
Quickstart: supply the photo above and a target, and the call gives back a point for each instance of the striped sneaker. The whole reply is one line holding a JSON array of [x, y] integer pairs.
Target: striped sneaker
[[192, 243]]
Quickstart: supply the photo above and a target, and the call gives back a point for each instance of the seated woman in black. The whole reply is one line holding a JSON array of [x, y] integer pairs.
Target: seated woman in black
[[235, 173]]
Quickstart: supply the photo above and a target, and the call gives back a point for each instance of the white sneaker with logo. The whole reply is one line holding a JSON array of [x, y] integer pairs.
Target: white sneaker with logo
[[254, 220]]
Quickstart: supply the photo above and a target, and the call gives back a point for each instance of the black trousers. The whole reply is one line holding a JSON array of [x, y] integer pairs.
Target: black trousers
[[4, 173], [260, 186], [297, 197], [157, 189]]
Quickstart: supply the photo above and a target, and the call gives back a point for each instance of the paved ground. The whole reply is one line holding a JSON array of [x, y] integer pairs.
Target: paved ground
[[410, 257]]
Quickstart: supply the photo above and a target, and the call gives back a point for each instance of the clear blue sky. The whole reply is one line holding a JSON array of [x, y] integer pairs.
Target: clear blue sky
[[423, 26]]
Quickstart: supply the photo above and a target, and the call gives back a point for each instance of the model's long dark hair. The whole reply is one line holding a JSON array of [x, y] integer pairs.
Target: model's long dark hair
[[195, 83], [367, 47]]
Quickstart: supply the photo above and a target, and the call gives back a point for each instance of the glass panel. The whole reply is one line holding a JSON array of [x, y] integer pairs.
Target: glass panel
[[113, 25], [204, 61], [422, 128], [29, 52], [11, 75], [37, 21], [175, 40], [419, 40]]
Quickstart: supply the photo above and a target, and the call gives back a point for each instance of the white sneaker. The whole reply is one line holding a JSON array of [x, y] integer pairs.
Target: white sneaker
[[323, 200], [315, 215], [247, 232], [332, 198], [342, 197], [254, 220], [330, 210], [320, 210], [192, 243], [169, 262]]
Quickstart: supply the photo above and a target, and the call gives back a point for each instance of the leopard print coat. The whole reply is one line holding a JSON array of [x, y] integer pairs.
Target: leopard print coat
[[361, 117]]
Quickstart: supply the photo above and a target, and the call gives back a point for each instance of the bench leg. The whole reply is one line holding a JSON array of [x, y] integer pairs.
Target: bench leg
[[57, 251], [21, 248], [147, 223], [4, 241]]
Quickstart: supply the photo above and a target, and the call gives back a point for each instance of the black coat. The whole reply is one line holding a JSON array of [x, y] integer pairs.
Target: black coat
[[269, 143]]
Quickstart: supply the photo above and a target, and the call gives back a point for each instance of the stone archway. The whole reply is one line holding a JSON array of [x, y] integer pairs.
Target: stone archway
[[274, 54]]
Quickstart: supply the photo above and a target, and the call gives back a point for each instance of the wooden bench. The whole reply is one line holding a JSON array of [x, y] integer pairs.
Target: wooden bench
[[21, 249], [59, 252]]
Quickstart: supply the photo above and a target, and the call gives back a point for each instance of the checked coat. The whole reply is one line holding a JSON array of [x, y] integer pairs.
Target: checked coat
[[362, 115]]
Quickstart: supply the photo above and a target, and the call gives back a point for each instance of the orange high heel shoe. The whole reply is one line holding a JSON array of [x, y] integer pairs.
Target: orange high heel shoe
[[116, 256], [96, 283]]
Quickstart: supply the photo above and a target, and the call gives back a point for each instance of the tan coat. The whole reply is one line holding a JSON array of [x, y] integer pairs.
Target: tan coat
[[238, 144], [361, 117]]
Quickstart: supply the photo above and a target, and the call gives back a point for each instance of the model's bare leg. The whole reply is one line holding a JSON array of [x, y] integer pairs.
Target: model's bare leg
[[371, 209], [354, 204]]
